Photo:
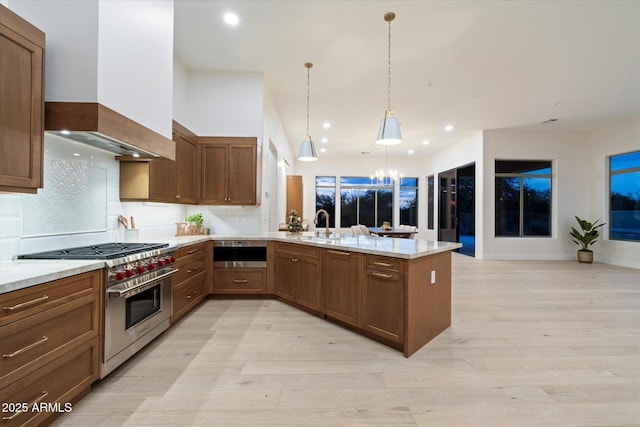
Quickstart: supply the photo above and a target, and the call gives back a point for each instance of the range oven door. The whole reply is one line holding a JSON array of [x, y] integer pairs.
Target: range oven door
[[136, 312]]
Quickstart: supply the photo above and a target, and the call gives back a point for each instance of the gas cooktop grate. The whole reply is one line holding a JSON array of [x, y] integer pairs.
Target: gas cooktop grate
[[101, 251]]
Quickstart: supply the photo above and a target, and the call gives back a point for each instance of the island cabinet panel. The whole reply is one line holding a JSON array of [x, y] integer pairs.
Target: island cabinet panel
[[428, 304], [191, 282], [298, 275], [50, 341], [22, 51], [384, 298], [342, 286]]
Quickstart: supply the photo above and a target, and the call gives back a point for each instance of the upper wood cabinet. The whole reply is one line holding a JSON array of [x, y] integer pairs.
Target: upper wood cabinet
[[229, 171], [164, 180], [22, 50]]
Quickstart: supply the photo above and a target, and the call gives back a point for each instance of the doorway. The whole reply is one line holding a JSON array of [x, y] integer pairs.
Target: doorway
[[456, 211]]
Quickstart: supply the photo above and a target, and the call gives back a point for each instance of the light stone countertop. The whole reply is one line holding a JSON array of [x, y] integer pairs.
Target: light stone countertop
[[19, 274]]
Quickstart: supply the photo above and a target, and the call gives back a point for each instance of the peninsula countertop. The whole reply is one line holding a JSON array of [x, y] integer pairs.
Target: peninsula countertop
[[19, 274]]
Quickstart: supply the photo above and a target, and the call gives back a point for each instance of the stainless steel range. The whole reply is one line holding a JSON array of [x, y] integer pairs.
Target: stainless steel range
[[138, 282]]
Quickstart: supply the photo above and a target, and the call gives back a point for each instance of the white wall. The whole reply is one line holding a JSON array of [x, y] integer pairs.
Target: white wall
[[567, 151], [180, 94], [617, 138]]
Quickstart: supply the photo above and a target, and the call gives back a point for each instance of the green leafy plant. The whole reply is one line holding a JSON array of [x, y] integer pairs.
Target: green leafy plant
[[587, 235], [294, 223], [195, 219]]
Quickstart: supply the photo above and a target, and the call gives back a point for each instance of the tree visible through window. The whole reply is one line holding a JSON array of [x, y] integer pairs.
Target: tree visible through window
[[624, 189], [523, 198], [326, 197], [365, 201], [409, 201]]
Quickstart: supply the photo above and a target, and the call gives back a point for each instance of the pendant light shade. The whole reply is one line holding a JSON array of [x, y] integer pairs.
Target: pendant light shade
[[389, 131], [307, 152]]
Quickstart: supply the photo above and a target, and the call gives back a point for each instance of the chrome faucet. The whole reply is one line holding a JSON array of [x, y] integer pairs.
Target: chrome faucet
[[326, 216]]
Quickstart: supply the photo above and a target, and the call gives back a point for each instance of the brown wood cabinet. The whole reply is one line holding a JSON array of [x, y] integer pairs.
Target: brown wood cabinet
[[50, 340], [163, 180], [342, 286], [383, 297], [298, 275], [251, 281], [191, 282], [229, 168], [22, 50]]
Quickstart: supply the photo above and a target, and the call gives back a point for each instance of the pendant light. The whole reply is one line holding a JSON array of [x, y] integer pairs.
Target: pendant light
[[307, 151], [389, 132]]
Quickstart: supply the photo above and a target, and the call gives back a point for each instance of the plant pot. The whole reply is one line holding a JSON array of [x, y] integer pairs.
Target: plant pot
[[585, 256]]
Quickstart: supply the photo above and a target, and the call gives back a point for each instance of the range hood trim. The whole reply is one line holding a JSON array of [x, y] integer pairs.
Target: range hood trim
[[108, 125]]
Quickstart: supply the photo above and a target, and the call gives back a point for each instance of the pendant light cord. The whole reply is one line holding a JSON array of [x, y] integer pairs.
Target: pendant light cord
[[389, 69], [308, 65]]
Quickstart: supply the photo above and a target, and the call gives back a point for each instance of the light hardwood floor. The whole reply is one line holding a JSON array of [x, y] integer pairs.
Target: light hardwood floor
[[531, 344]]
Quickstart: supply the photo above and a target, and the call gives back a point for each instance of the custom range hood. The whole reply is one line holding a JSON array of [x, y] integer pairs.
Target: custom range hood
[[108, 72], [96, 125]]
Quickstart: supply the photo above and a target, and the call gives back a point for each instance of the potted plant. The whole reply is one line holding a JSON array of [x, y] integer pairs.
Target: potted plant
[[586, 237], [294, 223], [195, 223]]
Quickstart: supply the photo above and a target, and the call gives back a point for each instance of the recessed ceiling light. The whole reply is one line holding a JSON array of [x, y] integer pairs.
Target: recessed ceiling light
[[448, 128], [410, 151], [323, 150], [324, 140], [425, 142], [326, 125], [76, 154], [231, 19]]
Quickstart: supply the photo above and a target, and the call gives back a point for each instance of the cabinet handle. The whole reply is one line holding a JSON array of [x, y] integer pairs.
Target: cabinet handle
[[30, 405], [193, 251], [386, 276], [26, 304], [177, 196], [27, 348], [339, 252], [294, 259], [240, 281], [382, 264], [188, 296], [192, 270]]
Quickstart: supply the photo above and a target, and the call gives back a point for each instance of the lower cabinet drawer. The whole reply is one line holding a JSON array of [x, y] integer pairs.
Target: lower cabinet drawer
[[240, 280], [52, 389], [36, 340], [189, 268], [187, 295]]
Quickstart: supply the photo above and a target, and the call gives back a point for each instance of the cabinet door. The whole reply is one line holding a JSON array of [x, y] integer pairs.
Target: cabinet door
[[242, 174], [186, 170], [214, 184], [342, 286], [309, 283], [286, 275], [383, 297], [21, 103], [162, 180]]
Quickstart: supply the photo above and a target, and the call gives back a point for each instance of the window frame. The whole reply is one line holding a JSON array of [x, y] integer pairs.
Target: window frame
[[613, 173], [375, 186]]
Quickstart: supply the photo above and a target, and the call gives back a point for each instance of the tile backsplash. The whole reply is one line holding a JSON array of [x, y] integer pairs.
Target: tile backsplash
[[80, 205]]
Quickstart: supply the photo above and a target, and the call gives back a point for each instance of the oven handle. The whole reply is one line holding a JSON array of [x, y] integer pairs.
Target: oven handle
[[141, 287]]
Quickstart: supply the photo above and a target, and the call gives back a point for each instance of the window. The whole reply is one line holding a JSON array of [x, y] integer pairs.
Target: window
[[409, 201], [523, 198], [624, 190], [326, 197], [365, 201], [430, 204]]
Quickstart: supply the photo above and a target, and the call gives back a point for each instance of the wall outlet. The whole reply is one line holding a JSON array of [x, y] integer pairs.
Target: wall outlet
[[433, 277]]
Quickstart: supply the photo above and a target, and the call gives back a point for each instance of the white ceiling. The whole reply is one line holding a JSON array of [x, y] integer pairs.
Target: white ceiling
[[474, 64]]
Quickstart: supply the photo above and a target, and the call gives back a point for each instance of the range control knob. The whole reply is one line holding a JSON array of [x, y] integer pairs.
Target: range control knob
[[173, 259], [160, 263], [128, 273], [119, 275], [139, 269], [150, 266]]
